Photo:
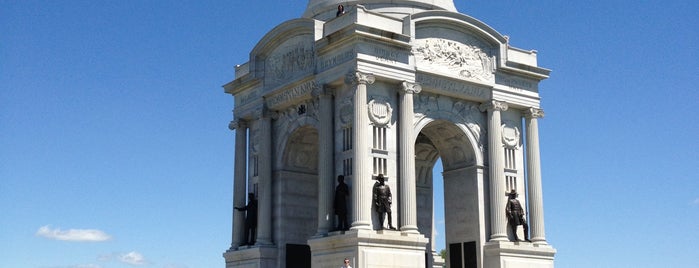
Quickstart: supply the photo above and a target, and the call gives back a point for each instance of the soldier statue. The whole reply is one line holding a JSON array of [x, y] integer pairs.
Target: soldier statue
[[250, 220], [515, 215], [382, 201]]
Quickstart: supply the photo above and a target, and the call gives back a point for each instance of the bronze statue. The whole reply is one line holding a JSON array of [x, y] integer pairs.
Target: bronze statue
[[515, 215], [340, 204], [250, 220], [382, 201]]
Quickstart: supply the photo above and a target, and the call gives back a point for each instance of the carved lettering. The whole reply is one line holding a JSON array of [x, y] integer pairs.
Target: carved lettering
[[458, 89], [386, 55], [290, 94], [329, 62]]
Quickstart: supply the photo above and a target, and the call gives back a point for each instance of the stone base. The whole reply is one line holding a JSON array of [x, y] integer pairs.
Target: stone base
[[369, 248], [251, 257], [518, 255]]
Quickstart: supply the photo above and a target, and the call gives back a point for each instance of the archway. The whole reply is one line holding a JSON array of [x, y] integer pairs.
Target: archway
[[462, 177], [296, 186]]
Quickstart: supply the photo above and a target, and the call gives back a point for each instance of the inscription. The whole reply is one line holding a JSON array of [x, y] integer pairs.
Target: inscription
[[386, 55], [293, 93], [453, 87], [516, 84], [336, 59], [246, 97]]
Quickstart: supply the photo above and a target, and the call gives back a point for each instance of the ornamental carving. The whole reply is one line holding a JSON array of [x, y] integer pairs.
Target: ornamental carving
[[289, 61], [346, 110], [380, 111], [465, 61], [510, 135]]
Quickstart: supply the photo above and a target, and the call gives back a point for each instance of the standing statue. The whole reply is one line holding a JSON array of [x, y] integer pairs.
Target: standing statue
[[382, 200], [515, 215], [340, 204], [250, 220]]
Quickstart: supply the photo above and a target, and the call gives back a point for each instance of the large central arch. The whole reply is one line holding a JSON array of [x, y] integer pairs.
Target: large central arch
[[464, 209]]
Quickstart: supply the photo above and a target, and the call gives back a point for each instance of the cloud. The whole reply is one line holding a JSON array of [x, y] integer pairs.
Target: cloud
[[133, 258], [696, 202], [75, 235]]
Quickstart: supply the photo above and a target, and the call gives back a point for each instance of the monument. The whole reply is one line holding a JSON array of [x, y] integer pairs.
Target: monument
[[365, 88]]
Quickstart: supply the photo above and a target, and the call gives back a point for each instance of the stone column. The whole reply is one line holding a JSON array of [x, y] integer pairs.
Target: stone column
[[264, 218], [535, 202], [408, 198], [361, 171], [498, 221], [325, 163], [239, 181]]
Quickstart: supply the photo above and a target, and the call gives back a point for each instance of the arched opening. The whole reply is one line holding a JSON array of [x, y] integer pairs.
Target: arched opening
[[296, 186], [449, 203]]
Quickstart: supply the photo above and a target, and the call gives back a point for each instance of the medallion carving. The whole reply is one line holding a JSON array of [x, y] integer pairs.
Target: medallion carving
[[465, 61], [380, 111], [510, 135]]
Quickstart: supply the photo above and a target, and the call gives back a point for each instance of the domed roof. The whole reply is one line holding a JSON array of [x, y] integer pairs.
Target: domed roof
[[318, 8]]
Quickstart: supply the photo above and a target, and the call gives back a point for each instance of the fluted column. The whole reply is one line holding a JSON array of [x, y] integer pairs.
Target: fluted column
[[498, 221], [408, 198], [325, 163], [361, 172], [535, 194], [264, 220], [239, 196]]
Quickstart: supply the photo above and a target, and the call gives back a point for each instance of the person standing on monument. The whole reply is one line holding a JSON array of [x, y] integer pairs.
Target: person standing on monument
[[382, 201], [340, 204], [250, 220], [515, 215], [346, 264]]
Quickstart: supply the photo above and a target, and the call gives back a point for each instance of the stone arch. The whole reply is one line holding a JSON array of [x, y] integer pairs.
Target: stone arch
[[295, 183], [465, 214]]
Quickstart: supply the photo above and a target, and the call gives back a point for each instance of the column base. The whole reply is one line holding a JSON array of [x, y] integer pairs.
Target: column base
[[517, 254], [251, 257], [369, 248]]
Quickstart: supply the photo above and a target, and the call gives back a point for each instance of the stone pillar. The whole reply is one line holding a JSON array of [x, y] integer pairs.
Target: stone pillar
[[361, 171], [325, 161], [264, 218], [408, 198], [239, 181], [535, 202], [498, 221]]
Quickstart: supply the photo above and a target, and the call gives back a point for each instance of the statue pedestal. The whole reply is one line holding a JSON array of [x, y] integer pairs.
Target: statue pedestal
[[251, 257], [369, 248], [518, 254]]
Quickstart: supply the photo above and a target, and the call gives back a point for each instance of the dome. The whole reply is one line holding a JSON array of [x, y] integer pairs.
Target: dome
[[325, 9]]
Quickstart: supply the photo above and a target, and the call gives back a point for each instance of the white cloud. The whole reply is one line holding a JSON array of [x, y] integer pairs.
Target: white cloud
[[76, 235], [696, 202], [133, 258]]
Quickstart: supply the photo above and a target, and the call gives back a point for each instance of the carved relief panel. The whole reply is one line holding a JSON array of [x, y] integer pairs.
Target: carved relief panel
[[292, 59], [455, 59]]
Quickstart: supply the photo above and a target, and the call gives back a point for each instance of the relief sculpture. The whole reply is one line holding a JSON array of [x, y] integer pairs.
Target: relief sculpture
[[465, 61]]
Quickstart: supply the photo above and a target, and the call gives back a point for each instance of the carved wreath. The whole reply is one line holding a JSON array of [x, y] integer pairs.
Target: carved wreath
[[380, 112]]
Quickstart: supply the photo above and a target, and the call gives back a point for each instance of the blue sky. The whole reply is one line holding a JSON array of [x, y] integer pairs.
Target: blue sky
[[115, 151]]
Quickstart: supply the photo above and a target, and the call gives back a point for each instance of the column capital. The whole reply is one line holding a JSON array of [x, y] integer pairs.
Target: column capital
[[494, 105], [360, 78], [237, 124], [534, 113], [410, 88]]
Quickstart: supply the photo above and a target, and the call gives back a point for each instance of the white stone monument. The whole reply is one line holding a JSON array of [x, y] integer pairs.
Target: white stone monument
[[386, 87]]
